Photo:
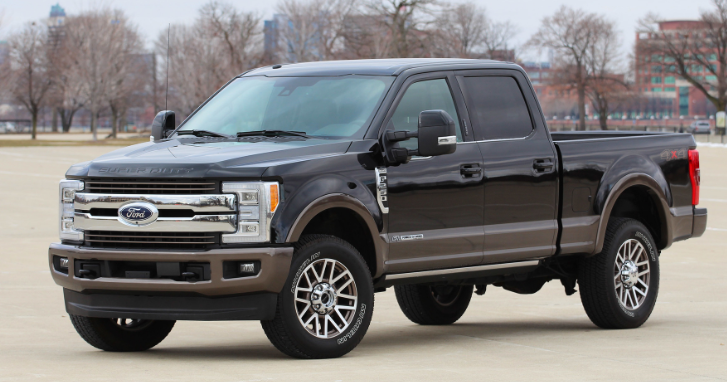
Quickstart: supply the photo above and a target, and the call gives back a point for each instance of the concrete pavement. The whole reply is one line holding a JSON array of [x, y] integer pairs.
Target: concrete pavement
[[503, 336]]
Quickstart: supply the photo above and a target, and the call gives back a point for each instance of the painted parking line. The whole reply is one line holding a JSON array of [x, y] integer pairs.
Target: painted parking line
[[28, 174], [717, 229]]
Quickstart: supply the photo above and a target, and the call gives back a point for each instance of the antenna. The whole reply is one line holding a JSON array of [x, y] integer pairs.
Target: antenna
[[166, 96]]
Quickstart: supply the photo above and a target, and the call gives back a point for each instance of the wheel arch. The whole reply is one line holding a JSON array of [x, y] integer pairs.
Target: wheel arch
[[637, 196], [346, 217]]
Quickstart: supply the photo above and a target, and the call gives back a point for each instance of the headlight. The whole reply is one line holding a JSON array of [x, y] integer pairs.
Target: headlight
[[66, 229], [256, 205]]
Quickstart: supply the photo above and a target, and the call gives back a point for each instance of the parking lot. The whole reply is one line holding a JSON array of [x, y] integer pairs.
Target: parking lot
[[503, 336]]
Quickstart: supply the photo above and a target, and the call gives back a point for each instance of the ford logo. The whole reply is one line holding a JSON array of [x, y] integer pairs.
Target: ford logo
[[138, 214]]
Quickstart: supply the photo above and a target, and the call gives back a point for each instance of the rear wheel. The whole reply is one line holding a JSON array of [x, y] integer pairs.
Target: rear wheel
[[121, 334], [433, 305], [619, 286]]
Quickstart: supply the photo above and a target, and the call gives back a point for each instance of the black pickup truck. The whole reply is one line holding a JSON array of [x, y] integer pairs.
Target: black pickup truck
[[297, 191]]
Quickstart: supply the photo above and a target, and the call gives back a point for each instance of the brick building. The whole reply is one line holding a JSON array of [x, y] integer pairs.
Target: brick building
[[665, 93]]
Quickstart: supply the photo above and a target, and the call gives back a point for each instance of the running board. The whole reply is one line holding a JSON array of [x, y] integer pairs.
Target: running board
[[457, 273]]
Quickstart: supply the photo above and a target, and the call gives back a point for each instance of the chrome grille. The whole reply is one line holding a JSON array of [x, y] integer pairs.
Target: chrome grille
[[150, 186], [160, 240]]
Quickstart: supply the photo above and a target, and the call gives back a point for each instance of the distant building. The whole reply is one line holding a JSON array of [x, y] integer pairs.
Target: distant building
[[281, 41], [271, 34], [56, 22], [665, 93]]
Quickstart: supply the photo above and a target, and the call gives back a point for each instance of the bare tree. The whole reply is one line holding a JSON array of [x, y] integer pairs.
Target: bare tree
[[571, 33], [462, 29], [695, 51], [465, 30], [366, 36], [235, 32], [29, 80], [124, 73], [221, 44], [497, 37], [67, 93], [313, 29], [405, 21], [606, 88], [99, 39]]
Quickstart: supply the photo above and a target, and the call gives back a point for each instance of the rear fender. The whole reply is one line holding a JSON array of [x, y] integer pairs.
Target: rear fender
[[629, 172]]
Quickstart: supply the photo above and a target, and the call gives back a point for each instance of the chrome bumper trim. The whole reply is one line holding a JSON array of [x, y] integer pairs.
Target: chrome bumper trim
[[199, 223], [196, 203]]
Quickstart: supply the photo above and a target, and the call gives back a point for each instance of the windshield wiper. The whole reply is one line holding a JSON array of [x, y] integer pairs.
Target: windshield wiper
[[202, 133], [272, 133]]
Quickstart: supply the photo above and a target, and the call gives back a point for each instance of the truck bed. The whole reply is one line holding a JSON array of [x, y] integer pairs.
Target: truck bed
[[559, 136], [592, 162]]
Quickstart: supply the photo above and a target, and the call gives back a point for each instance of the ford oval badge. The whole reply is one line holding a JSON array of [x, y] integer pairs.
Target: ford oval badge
[[138, 214]]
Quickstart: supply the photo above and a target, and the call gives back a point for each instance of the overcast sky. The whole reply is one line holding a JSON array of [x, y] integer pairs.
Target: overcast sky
[[152, 16]]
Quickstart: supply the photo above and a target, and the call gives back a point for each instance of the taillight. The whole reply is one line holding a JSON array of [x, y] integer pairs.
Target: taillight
[[694, 175]]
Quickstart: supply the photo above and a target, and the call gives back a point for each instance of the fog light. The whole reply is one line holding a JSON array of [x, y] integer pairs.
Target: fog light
[[247, 267], [63, 263]]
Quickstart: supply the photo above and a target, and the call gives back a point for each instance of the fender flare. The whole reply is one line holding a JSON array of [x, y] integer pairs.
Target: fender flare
[[339, 200], [657, 193]]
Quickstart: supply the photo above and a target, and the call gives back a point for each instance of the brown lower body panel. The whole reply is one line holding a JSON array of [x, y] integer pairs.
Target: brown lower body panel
[[274, 269]]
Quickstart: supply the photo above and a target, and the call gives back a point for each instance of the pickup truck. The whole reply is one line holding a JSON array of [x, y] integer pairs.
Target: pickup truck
[[297, 191]]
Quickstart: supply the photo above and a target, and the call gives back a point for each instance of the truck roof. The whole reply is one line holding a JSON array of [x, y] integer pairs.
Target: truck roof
[[379, 67]]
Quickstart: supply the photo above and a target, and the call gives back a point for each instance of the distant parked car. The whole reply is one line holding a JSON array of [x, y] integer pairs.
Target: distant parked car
[[699, 127], [7, 127]]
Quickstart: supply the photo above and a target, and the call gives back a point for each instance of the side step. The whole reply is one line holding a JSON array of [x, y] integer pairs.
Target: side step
[[476, 271]]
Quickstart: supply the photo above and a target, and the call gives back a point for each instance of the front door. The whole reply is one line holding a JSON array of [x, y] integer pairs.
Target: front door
[[519, 162], [435, 203]]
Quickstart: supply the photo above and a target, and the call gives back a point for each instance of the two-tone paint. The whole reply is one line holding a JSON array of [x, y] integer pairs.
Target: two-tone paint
[[516, 208]]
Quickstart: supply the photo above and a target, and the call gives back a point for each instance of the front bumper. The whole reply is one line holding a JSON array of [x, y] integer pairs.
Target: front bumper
[[259, 306], [274, 269]]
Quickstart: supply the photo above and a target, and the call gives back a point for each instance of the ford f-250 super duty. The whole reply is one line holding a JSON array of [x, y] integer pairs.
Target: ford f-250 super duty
[[297, 191]]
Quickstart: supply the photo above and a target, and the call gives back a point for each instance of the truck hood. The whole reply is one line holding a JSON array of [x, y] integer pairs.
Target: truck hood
[[207, 157]]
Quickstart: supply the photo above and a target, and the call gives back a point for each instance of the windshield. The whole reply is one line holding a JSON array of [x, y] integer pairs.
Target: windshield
[[317, 106]]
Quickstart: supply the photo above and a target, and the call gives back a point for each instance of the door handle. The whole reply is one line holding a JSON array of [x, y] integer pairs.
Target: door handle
[[470, 170], [543, 165]]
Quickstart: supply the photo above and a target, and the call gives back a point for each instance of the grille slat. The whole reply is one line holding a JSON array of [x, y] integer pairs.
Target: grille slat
[[150, 186], [160, 240]]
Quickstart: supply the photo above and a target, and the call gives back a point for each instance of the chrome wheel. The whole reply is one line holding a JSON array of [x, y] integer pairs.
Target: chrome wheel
[[326, 298], [631, 274], [446, 295]]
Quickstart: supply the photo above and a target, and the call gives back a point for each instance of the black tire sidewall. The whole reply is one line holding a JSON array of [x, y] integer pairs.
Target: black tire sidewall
[[343, 343], [632, 318]]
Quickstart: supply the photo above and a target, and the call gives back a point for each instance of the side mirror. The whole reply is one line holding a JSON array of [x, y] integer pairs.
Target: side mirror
[[164, 123], [437, 135]]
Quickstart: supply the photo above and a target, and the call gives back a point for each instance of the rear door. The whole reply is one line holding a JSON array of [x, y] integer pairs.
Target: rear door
[[519, 163], [435, 203]]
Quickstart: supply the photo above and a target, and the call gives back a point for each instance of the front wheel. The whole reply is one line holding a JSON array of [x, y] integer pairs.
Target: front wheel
[[121, 334], [619, 285], [327, 303]]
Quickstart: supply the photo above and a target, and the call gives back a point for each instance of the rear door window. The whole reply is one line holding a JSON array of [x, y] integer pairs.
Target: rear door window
[[497, 107]]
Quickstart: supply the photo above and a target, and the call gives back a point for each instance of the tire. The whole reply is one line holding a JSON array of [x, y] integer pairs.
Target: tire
[[439, 305], [608, 305], [121, 335], [321, 301]]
